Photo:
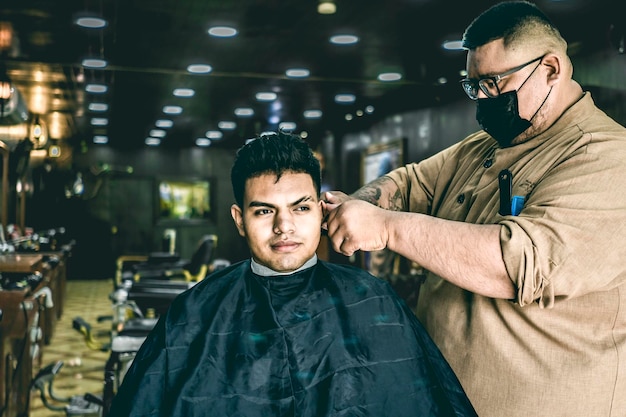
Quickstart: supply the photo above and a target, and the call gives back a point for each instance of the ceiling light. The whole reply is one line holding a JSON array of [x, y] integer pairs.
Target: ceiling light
[[312, 114], [274, 119], [184, 92], [348, 117], [345, 98], [226, 125], [100, 139], [326, 7], [152, 141], [99, 121], [199, 68], [222, 31], [453, 45], [96, 88], [91, 22], [94, 63], [157, 133], [203, 142], [389, 76], [214, 134], [164, 123], [442, 80], [172, 109], [266, 96], [98, 107], [344, 39], [288, 126], [369, 109], [244, 112], [297, 73]]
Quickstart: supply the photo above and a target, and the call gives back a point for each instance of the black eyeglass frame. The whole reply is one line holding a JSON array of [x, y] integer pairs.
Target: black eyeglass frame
[[471, 85]]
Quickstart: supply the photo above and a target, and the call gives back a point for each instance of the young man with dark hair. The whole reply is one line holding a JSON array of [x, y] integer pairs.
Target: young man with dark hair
[[283, 333]]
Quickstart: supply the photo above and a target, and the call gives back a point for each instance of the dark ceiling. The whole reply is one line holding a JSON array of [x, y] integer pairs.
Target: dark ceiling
[[148, 45]]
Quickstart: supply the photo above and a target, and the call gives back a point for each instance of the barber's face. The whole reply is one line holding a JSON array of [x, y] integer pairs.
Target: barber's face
[[281, 221]]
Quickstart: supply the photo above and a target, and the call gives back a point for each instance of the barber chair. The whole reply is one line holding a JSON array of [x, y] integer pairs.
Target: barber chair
[[154, 281]]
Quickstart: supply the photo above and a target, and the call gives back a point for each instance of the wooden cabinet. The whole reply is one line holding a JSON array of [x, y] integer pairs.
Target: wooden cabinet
[[27, 324]]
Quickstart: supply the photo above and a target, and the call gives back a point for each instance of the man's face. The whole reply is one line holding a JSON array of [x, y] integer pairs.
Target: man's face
[[280, 220]]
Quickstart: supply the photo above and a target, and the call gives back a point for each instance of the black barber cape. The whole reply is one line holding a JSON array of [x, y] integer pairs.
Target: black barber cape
[[330, 340]]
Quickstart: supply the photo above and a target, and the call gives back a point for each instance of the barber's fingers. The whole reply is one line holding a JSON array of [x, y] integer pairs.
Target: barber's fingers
[[335, 197]]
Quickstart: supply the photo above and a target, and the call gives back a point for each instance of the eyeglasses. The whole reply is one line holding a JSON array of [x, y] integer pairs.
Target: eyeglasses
[[489, 85]]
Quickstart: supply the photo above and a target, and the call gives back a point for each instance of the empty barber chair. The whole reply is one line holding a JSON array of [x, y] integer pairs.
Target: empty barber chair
[[154, 281]]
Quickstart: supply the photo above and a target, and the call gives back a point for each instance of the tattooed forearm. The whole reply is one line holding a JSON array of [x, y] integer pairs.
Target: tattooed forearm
[[382, 192]]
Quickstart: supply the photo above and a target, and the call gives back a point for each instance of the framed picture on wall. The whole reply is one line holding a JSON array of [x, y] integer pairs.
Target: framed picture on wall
[[183, 199], [380, 158]]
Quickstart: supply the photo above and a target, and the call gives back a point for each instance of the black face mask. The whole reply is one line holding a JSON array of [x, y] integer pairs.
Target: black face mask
[[500, 117]]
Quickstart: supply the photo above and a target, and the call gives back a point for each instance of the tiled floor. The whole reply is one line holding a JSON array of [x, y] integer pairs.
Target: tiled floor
[[83, 368]]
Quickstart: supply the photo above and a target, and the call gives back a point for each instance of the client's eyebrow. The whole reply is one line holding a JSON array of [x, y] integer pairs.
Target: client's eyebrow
[[295, 203]]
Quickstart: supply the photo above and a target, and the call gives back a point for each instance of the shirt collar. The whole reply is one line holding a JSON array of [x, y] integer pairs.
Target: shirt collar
[[264, 271]]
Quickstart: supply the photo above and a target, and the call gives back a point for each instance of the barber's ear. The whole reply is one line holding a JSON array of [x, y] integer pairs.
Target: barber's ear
[[237, 215], [555, 68]]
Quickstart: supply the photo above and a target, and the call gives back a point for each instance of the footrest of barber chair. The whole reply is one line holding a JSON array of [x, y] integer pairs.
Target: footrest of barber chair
[[122, 344]]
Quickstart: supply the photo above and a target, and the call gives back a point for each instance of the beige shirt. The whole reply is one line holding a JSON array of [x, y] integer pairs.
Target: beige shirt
[[559, 348]]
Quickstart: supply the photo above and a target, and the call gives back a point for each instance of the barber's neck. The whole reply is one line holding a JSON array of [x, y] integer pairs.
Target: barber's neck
[[264, 271]]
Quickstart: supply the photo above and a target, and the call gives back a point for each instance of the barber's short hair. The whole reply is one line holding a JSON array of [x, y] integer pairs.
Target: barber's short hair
[[273, 153], [514, 21]]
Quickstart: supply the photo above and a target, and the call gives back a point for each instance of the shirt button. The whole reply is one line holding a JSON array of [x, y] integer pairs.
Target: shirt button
[[488, 163], [460, 199]]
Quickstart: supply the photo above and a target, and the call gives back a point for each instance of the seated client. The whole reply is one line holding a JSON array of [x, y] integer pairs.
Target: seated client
[[283, 333]]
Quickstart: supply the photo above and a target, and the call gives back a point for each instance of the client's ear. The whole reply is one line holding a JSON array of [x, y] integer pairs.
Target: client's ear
[[237, 215]]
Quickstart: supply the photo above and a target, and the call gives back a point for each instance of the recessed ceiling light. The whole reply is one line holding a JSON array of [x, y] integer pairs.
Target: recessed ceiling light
[[96, 88], [326, 7], [203, 142], [184, 92], [274, 119], [227, 125], [94, 63], [244, 112], [369, 109], [389, 76], [99, 121], [289, 126], [214, 134], [164, 123], [152, 141], [348, 117], [442, 80], [100, 139], [453, 45], [157, 133], [98, 106], [345, 98], [199, 68], [266, 96], [91, 22], [222, 31], [312, 114], [297, 73], [172, 109], [344, 39]]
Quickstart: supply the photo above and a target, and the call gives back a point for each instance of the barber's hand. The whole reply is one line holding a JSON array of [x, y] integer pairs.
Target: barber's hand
[[357, 225], [330, 201]]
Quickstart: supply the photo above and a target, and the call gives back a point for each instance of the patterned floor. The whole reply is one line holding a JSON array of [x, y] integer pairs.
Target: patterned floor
[[83, 368]]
